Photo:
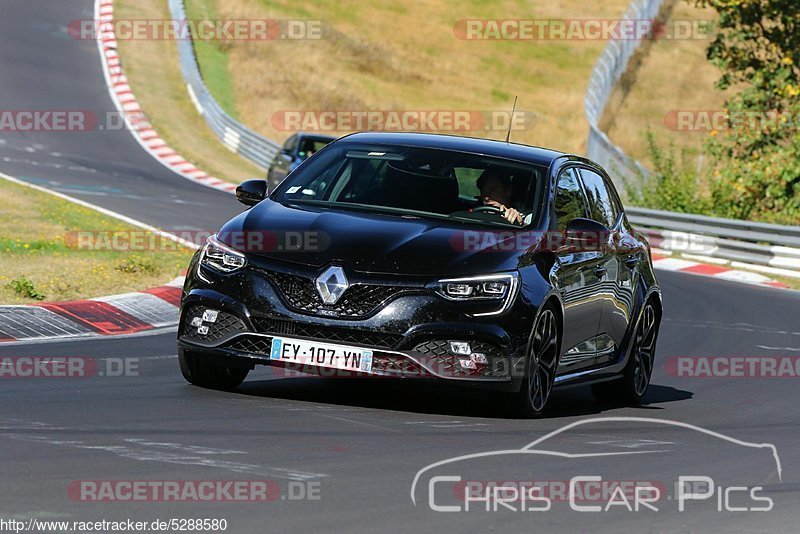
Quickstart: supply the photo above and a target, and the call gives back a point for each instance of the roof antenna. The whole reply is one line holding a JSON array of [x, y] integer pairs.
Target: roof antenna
[[511, 121]]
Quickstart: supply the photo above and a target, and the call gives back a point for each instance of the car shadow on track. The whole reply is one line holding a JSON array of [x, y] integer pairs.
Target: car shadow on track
[[415, 397]]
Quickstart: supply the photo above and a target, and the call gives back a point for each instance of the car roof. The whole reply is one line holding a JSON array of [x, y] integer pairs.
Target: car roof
[[309, 135], [488, 147]]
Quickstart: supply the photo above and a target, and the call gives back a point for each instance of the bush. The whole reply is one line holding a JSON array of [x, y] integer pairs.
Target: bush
[[138, 264], [675, 184], [25, 288]]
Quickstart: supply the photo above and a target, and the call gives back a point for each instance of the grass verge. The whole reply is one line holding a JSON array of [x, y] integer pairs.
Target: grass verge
[[387, 56], [40, 260]]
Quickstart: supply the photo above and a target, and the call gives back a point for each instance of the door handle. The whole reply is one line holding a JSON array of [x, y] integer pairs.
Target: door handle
[[600, 271], [632, 261]]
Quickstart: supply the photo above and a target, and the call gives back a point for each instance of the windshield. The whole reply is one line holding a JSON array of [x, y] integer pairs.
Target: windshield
[[419, 182]]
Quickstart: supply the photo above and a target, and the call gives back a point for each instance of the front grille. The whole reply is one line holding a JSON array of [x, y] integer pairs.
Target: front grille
[[224, 327], [436, 354], [359, 300], [254, 344], [394, 364], [326, 333]]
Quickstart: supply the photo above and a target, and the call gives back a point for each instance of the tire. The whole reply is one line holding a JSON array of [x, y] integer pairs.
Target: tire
[[540, 367], [632, 386], [200, 372]]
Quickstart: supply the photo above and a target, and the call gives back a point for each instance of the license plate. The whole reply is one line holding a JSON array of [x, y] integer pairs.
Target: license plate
[[298, 351]]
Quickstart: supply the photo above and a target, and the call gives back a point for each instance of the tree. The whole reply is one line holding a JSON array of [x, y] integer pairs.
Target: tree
[[758, 158]]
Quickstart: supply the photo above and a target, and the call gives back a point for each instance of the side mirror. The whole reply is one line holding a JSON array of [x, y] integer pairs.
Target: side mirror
[[586, 232], [252, 192]]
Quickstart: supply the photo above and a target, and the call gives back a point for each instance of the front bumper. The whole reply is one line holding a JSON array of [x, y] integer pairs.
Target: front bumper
[[230, 337], [409, 336]]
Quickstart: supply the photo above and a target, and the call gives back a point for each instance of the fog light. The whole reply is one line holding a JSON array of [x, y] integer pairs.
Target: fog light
[[461, 348], [202, 330], [468, 364], [479, 358], [196, 321], [210, 316]]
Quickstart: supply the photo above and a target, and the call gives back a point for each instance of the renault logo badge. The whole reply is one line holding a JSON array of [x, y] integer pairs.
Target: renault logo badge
[[332, 284]]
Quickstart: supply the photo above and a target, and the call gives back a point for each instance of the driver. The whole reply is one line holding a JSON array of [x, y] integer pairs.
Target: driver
[[496, 190]]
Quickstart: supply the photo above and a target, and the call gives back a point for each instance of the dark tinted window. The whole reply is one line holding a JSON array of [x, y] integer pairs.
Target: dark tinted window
[[570, 203], [384, 178], [290, 143], [602, 204], [310, 145]]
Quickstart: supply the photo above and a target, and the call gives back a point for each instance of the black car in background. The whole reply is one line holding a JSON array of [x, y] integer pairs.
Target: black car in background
[[298, 148], [484, 263]]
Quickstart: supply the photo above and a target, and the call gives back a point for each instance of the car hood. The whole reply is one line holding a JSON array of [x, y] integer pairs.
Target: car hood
[[371, 242]]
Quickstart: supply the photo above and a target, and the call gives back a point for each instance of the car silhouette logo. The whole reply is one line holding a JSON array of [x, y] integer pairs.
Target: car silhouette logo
[[332, 284]]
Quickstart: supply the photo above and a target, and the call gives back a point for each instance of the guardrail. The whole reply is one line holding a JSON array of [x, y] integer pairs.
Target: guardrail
[[607, 71], [233, 134], [768, 245]]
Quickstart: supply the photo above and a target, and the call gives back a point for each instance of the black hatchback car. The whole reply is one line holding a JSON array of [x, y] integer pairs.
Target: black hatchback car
[[478, 262]]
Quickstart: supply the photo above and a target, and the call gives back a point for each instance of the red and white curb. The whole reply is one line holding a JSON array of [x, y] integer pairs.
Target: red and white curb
[[139, 311], [127, 313], [664, 262], [127, 106]]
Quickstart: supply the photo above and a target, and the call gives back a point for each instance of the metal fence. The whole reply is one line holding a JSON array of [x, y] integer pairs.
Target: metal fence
[[607, 72], [233, 134], [769, 245]]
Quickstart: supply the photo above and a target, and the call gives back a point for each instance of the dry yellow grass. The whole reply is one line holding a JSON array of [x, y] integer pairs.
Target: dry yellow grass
[[385, 55], [672, 75], [41, 252], [154, 75]]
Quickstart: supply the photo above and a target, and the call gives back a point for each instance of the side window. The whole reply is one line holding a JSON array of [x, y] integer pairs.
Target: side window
[[467, 181], [570, 203], [289, 145], [603, 206]]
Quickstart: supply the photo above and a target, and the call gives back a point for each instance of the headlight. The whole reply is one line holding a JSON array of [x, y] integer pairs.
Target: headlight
[[501, 288], [221, 258]]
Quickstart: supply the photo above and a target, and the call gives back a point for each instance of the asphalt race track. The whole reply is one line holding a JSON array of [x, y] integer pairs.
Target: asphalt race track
[[46, 69], [343, 453]]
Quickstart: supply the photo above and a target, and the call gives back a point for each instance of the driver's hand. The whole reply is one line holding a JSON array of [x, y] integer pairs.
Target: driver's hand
[[512, 216], [509, 214]]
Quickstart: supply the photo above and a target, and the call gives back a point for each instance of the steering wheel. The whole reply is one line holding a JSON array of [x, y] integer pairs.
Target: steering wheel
[[486, 209]]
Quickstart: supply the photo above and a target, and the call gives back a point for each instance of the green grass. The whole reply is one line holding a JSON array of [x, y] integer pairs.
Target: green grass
[[212, 56], [39, 260]]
